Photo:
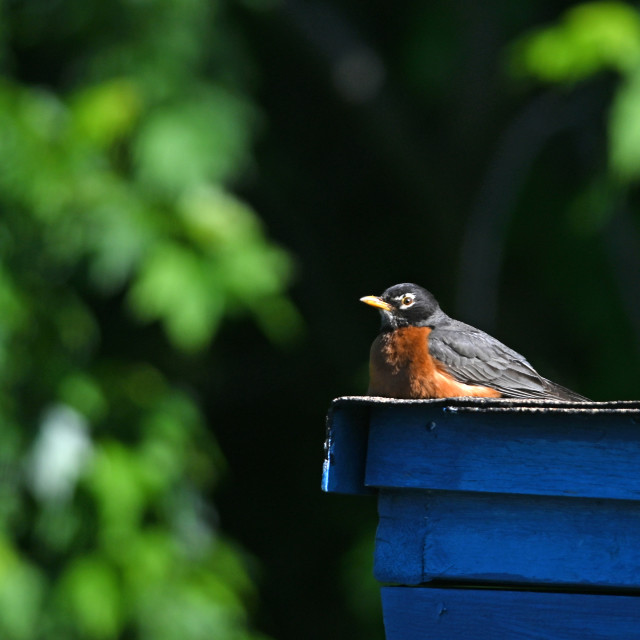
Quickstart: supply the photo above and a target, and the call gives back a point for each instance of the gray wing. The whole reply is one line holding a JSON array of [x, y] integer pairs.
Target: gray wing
[[473, 357]]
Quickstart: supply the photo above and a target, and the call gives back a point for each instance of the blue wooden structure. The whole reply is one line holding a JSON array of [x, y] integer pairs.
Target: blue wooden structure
[[498, 519]]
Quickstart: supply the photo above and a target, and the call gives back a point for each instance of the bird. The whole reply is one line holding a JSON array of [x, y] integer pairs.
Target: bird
[[421, 352]]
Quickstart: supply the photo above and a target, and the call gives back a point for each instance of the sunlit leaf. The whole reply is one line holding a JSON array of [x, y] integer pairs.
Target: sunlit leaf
[[148, 562], [123, 127], [91, 593], [106, 112], [215, 218], [117, 484], [118, 231], [21, 593], [258, 270], [193, 142], [624, 130], [590, 37], [175, 287]]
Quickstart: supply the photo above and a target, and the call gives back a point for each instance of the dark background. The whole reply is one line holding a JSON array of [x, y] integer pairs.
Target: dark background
[[449, 175]]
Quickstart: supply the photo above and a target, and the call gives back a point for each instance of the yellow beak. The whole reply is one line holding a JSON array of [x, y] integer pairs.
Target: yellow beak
[[374, 301]]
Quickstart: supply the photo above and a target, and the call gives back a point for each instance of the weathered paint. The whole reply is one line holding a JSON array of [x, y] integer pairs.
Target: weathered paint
[[507, 539], [498, 494], [469, 614]]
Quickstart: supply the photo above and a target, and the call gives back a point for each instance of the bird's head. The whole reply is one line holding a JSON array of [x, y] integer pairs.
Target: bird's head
[[404, 305]]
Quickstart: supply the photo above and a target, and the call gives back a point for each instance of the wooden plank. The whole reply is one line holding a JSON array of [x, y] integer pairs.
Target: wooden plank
[[497, 538], [464, 614], [555, 452], [346, 448]]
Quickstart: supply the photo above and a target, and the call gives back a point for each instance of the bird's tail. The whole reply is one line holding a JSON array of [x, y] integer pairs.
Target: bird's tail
[[558, 392]]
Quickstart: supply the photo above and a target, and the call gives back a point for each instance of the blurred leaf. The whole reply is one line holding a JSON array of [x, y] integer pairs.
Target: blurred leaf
[[118, 231], [82, 392], [176, 446], [13, 309], [148, 562], [589, 38], [116, 481], [177, 287], [197, 611], [258, 270], [624, 129], [145, 386], [77, 328], [57, 528], [107, 112], [179, 597], [123, 125], [10, 498], [21, 593], [42, 114], [90, 591], [230, 563], [214, 218], [250, 268], [190, 143], [15, 316]]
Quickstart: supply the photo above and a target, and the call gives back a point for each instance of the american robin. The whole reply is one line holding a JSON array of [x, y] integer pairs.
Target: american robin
[[423, 353]]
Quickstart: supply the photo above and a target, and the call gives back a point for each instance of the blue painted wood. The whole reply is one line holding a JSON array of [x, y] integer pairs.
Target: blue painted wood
[[497, 493], [498, 538], [470, 614], [346, 448], [573, 452]]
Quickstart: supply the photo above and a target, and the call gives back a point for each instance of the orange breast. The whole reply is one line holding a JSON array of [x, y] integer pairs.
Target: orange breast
[[401, 366]]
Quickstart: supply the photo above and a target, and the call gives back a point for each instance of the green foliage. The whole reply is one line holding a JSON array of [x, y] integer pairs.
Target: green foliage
[[185, 144], [117, 193], [22, 589], [591, 38], [624, 129]]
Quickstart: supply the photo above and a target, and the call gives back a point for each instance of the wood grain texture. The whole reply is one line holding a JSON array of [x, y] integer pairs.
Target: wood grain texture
[[595, 455], [469, 614], [503, 494], [345, 449], [509, 539]]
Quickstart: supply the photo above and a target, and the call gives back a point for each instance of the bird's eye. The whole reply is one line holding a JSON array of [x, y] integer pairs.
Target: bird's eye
[[407, 301]]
